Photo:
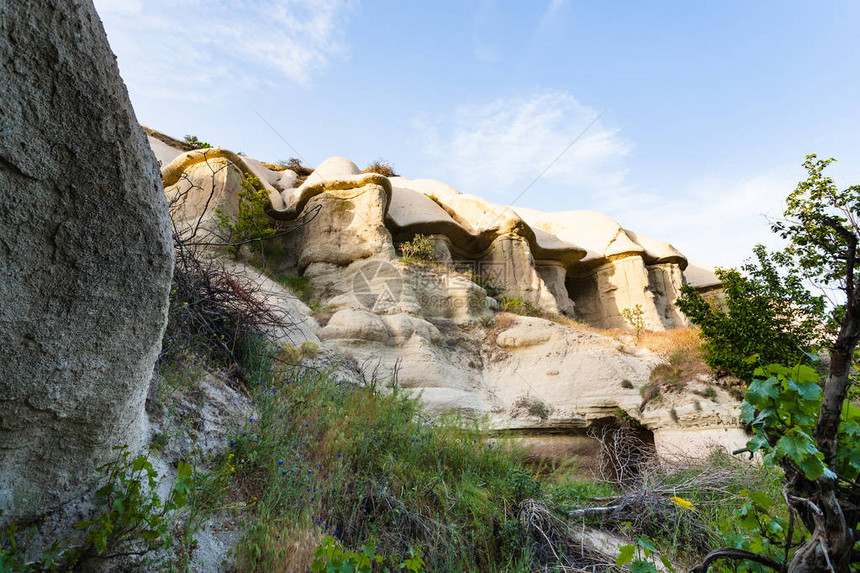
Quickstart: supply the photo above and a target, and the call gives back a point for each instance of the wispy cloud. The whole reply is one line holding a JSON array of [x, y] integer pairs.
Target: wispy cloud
[[714, 220], [495, 149], [192, 49]]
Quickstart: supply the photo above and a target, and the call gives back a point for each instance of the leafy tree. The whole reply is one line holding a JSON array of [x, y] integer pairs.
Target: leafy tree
[[767, 312], [804, 424]]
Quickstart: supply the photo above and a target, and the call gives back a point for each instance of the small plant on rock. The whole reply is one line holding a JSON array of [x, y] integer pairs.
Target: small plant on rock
[[635, 317], [192, 140], [420, 249], [251, 225], [517, 305], [382, 167], [533, 406]]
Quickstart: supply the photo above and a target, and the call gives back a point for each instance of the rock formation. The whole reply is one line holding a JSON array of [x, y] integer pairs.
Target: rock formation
[[85, 256], [433, 327]]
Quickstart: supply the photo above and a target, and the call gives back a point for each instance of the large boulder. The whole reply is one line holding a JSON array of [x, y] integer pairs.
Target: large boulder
[[85, 256]]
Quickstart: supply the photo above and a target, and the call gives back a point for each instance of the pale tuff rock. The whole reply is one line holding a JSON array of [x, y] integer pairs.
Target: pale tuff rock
[[348, 226], [430, 328], [86, 256]]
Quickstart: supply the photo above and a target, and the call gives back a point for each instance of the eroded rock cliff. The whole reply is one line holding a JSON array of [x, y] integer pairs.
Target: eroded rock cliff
[[434, 328]]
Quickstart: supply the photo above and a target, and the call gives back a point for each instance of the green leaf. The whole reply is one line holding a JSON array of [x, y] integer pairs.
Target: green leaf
[[640, 566], [139, 463], [806, 390], [625, 555], [757, 443], [183, 470], [667, 564], [761, 499], [798, 446], [761, 392], [647, 544]]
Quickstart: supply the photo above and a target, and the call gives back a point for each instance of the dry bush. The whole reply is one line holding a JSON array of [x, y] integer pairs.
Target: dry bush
[[675, 339], [382, 167], [649, 483], [622, 453], [555, 544], [212, 312]]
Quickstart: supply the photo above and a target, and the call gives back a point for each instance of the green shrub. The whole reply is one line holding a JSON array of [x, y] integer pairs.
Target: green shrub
[[192, 140], [133, 510], [330, 557], [419, 249], [251, 224], [130, 519], [517, 305], [627, 384], [768, 316], [635, 317]]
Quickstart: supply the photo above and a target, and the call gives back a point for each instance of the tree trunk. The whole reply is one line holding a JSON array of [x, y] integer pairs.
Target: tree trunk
[[832, 541]]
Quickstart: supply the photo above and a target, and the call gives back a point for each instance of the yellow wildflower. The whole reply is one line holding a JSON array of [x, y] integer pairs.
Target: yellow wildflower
[[681, 502]]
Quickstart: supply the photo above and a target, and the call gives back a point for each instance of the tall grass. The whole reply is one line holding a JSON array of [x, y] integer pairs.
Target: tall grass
[[365, 465]]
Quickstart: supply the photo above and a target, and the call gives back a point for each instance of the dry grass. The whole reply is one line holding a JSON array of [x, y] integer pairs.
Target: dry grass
[[274, 166], [382, 167], [682, 349], [164, 138], [669, 341]]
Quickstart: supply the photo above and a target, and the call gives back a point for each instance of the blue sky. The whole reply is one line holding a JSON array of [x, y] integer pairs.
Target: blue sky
[[706, 109]]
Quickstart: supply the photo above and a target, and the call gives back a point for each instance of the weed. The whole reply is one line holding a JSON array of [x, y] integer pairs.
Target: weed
[[627, 384], [650, 392], [362, 464], [299, 285], [710, 393], [673, 413], [420, 249]]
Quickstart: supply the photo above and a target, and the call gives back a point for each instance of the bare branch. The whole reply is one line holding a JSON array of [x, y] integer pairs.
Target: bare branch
[[738, 555]]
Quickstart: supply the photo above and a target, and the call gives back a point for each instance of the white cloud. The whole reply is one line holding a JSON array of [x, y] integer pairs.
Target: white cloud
[[194, 50], [716, 221], [498, 148], [495, 150]]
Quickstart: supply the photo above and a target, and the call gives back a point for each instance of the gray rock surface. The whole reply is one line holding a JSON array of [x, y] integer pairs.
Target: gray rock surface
[[85, 256]]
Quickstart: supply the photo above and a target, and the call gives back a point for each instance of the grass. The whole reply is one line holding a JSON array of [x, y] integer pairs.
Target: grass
[[517, 305], [682, 349], [364, 464], [532, 406]]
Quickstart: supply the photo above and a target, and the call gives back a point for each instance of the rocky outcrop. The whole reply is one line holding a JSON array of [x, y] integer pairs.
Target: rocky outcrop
[[577, 263], [432, 328], [85, 256]]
